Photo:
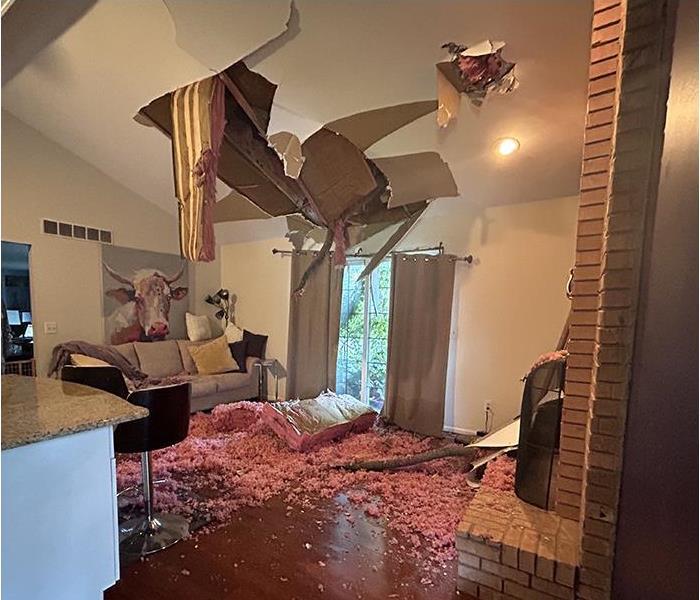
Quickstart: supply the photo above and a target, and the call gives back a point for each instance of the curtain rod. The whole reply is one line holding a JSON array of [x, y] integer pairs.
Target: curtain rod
[[440, 248]]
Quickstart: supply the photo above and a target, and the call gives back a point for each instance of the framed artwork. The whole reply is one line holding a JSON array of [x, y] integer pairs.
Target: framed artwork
[[143, 295]]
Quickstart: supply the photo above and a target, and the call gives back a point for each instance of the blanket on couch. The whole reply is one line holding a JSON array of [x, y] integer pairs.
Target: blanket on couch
[[135, 378]]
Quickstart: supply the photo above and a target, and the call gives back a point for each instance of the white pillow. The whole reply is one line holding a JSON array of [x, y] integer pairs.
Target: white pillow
[[198, 327], [80, 360], [233, 333]]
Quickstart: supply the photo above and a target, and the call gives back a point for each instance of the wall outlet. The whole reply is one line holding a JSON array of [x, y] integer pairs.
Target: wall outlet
[[50, 327], [487, 405]]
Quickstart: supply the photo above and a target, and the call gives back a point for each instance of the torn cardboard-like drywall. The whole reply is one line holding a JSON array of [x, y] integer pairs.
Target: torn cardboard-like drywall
[[288, 148], [417, 177]]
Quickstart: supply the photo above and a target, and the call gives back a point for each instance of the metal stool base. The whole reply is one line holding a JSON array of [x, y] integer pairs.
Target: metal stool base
[[141, 536]]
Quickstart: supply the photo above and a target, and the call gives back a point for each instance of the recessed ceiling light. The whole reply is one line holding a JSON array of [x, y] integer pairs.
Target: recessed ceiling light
[[506, 146]]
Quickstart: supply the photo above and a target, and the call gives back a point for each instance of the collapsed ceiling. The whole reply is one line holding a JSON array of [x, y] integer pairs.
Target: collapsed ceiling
[[80, 93], [327, 180]]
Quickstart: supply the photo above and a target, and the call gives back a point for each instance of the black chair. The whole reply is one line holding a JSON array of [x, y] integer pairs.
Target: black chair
[[167, 424]]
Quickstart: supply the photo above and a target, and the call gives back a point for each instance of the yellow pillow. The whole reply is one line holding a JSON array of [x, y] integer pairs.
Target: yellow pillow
[[80, 360], [213, 357]]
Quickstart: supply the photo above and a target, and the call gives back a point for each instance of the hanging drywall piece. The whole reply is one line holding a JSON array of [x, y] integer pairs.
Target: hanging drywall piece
[[389, 245], [475, 71], [288, 148], [417, 178], [336, 174], [366, 128]]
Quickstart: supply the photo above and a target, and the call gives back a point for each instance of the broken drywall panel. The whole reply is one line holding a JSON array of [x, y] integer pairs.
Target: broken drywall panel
[[394, 239], [474, 71], [288, 148], [218, 33], [336, 174], [417, 177], [236, 207], [292, 30], [366, 128]]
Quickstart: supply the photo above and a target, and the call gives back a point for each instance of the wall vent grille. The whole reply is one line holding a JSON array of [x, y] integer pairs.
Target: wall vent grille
[[78, 232]]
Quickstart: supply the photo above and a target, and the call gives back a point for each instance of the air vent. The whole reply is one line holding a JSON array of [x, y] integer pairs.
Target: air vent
[[78, 232]]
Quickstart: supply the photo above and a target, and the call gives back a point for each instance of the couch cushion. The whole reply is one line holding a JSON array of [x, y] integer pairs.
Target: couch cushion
[[159, 359], [213, 357], [204, 385], [230, 381], [129, 352], [185, 355]]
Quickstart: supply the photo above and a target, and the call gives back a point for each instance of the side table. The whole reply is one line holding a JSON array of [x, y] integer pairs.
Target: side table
[[261, 366]]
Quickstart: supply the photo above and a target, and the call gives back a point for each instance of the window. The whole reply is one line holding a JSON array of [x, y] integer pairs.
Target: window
[[364, 332]]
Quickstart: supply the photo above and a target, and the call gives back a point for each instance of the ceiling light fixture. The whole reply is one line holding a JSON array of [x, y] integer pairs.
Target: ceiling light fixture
[[506, 146]]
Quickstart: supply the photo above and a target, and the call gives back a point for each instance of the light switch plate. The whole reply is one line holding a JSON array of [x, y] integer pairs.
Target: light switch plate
[[50, 327]]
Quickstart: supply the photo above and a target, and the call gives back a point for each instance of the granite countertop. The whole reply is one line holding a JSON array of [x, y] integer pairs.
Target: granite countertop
[[38, 408]]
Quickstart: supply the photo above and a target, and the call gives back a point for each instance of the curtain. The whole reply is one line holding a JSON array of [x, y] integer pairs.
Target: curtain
[[199, 116], [419, 338], [314, 327]]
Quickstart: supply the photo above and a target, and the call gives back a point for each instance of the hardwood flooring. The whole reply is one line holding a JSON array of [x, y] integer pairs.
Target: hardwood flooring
[[270, 552]]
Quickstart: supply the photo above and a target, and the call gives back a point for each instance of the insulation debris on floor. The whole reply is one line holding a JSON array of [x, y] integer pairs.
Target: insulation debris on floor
[[232, 460]]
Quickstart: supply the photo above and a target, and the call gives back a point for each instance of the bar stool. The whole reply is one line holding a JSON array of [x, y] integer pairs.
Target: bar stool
[[166, 424]]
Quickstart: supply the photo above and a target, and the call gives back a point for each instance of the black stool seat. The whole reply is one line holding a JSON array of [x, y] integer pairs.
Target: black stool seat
[[167, 424]]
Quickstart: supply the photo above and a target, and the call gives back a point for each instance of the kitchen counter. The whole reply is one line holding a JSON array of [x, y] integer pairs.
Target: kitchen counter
[[36, 409], [59, 489]]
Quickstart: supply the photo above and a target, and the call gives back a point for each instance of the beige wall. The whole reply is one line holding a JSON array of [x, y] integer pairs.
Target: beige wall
[[41, 179], [509, 306], [261, 283]]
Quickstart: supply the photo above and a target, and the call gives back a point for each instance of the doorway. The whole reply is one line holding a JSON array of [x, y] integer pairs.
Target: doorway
[[17, 326], [364, 332]]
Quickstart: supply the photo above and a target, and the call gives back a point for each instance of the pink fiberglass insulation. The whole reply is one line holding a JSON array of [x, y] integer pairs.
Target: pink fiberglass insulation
[[231, 460], [500, 475]]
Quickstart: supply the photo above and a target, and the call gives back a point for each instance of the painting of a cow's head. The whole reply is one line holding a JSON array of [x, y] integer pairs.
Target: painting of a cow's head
[[144, 300]]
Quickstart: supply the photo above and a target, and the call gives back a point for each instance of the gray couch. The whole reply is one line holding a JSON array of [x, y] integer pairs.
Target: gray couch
[[171, 357]]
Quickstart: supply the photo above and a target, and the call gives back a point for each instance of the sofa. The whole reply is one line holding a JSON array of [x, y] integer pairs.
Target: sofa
[[171, 357]]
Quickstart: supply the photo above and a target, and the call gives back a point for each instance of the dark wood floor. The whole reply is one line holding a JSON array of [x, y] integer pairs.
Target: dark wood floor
[[270, 552]]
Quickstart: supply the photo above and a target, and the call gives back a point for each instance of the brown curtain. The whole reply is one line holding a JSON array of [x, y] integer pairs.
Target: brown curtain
[[419, 338], [314, 324]]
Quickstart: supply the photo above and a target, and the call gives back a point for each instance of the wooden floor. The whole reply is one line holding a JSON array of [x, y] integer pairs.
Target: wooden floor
[[270, 552]]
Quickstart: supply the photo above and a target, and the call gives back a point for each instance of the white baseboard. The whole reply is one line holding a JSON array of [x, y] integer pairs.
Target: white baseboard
[[459, 430]]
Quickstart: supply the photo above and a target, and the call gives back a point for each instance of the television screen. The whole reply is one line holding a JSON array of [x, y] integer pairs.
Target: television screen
[[13, 317], [26, 317]]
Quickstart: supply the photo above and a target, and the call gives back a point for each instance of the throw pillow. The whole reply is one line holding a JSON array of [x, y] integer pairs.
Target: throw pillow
[[256, 343], [80, 360], [233, 333], [213, 357], [238, 351], [198, 327]]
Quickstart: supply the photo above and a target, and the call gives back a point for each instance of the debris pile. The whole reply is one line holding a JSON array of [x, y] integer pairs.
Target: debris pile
[[231, 460]]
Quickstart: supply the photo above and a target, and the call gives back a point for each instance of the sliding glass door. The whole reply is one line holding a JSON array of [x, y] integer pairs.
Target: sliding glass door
[[364, 330]]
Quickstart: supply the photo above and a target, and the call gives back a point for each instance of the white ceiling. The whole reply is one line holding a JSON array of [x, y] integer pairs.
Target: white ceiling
[[347, 56]]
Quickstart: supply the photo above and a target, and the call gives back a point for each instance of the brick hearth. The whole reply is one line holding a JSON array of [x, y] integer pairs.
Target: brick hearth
[[510, 549]]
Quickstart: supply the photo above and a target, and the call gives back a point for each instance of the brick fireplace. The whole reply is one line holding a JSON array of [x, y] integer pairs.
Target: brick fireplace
[[507, 548]]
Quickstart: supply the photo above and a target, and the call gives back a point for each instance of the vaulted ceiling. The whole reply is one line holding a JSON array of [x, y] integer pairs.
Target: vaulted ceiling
[[333, 59]]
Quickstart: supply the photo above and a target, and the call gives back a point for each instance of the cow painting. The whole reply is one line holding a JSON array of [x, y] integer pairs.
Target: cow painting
[[144, 302]]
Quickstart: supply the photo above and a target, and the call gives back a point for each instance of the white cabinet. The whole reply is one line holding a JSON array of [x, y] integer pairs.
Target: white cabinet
[[59, 518]]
